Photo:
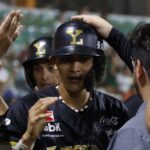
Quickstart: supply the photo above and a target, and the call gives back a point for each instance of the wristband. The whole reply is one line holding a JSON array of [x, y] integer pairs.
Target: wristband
[[21, 146]]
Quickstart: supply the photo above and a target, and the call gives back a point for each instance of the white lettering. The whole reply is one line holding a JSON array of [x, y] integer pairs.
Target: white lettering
[[52, 127], [109, 121]]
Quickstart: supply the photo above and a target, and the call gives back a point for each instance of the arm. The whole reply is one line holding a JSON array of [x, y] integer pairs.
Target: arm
[[37, 120], [10, 28], [3, 107], [22, 129], [115, 38]]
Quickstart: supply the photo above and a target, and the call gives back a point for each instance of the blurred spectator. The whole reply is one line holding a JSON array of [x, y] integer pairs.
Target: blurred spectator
[[124, 82]]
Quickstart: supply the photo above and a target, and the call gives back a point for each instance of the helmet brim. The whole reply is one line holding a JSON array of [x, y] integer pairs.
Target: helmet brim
[[76, 50], [33, 60]]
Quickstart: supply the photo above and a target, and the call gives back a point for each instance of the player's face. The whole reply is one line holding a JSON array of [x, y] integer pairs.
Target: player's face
[[45, 74], [72, 70]]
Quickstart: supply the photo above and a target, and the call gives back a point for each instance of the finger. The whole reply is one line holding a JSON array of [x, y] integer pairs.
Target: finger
[[85, 18], [43, 102], [77, 17], [39, 117], [17, 32], [14, 22], [6, 22], [19, 14], [13, 25], [43, 108]]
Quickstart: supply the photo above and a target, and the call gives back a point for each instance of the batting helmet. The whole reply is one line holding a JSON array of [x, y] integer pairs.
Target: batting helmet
[[39, 50], [79, 38]]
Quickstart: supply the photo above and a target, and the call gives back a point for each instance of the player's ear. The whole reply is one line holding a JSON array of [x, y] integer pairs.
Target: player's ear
[[140, 73]]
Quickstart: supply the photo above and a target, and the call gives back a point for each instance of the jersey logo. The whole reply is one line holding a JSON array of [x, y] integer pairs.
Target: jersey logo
[[40, 50], [113, 121], [50, 118], [74, 34]]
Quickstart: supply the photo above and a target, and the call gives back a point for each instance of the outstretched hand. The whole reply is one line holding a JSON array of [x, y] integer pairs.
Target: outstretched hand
[[10, 29]]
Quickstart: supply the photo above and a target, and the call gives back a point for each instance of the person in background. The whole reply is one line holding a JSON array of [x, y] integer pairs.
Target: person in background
[[39, 71]]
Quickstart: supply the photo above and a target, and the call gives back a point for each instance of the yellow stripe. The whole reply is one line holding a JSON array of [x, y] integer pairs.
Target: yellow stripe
[[10, 143]]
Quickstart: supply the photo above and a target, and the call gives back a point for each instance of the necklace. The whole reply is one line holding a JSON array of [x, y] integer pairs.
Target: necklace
[[77, 110]]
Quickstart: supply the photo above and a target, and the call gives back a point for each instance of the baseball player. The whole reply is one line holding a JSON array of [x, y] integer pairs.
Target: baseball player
[[39, 70], [73, 115]]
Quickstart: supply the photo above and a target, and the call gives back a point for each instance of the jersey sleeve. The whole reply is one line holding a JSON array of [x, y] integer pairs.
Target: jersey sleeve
[[15, 123], [122, 46]]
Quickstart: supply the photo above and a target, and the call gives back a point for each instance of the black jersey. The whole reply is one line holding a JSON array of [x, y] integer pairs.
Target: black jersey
[[2, 128], [66, 128]]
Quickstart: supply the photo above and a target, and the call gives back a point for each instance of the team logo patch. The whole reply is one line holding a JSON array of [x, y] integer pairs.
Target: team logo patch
[[50, 118]]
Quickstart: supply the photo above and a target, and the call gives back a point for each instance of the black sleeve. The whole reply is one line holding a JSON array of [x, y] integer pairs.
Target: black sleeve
[[122, 46], [2, 117], [17, 116]]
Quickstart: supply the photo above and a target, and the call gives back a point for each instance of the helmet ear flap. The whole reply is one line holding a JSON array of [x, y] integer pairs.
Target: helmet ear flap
[[99, 69], [96, 74], [89, 80], [29, 76]]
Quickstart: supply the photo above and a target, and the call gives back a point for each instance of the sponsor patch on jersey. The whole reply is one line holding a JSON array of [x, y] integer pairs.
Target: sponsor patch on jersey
[[50, 118]]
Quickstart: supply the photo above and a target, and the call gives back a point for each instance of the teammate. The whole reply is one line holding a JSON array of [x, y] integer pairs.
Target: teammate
[[39, 70], [76, 115], [135, 52]]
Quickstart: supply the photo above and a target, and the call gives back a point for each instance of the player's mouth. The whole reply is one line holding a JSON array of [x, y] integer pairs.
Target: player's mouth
[[47, 84], [75, 80]]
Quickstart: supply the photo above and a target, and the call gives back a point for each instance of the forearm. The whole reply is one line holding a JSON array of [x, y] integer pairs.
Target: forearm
[[122, 46], [3, 107]]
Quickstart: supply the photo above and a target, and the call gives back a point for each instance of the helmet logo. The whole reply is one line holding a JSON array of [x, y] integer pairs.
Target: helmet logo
[[40, 48], [100, 45], [74, 35]]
